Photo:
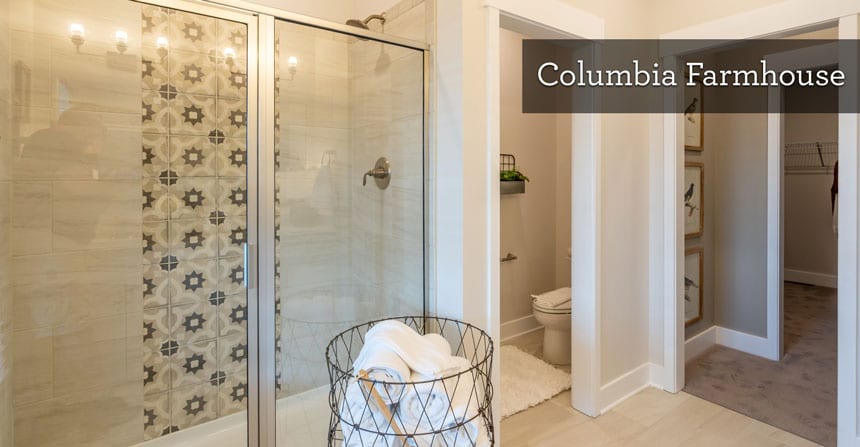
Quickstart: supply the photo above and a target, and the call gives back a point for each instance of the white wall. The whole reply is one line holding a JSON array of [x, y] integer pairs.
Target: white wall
[[810, 243], [530, 222]]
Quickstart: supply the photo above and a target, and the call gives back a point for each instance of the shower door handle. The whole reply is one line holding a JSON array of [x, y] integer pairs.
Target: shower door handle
[[250, 262], [381, 173]]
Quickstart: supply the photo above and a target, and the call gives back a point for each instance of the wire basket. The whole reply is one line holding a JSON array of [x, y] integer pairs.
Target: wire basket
[[451, 411]]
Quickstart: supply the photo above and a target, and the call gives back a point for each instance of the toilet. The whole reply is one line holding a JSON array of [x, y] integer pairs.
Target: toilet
[[556, 322]]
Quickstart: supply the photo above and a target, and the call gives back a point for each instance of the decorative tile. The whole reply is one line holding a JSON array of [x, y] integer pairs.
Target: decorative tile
[[193, 281], [193, 363], [153, 113], [154, 200], [192, 156], [191, 32], [233, 316], [154, 241], [231, 276], [154, 154], [232, 236], [156, 370], [153, 68], [193, 198], [194, 404], [156, 328], [232, 117], [156, 415], [153, 22], [232, 158], [232, 196], [193, 239], [192, 114], [232, 35], [233, 354], [233, 395], [232, 78], [156, 288], [194, 322], [192, 73]]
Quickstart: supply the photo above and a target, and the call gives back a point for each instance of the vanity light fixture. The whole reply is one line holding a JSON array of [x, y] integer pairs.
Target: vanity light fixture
[[292, 63], [76, 34], [121, 38], [229, 55], [161, 44]]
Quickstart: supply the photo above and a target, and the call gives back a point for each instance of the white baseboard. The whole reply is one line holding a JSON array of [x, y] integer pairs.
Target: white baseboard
[[520, 326], [741, 341], [700, 343], [617, 391], [817, 279]]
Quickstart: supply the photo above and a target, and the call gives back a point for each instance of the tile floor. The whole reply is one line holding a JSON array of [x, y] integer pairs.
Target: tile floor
[[651, 418]]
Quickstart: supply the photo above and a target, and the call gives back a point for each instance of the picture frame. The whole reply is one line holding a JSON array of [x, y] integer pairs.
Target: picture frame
[[694, 199], [694, 268], [694, 118]]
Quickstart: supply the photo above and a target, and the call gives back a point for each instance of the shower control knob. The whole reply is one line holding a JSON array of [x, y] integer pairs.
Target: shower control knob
[[381, 173]]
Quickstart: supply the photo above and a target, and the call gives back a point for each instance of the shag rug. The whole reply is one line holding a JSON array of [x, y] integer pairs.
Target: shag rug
[[796, 394], [527, 380]]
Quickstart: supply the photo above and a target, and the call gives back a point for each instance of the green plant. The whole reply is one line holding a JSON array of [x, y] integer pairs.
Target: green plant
[[513, 176]]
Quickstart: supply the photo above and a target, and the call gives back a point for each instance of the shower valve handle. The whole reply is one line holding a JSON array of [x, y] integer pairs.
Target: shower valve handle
[[381, 172]]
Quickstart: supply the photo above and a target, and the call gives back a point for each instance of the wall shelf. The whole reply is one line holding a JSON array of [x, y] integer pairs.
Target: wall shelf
[[512, 187]]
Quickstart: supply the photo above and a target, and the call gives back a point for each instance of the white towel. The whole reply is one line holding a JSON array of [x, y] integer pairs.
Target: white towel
[[423, 355], [359, 410], [434, 405], [384, 365], [553, 298]]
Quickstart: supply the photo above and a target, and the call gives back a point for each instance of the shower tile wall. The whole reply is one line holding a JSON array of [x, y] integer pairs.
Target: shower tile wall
[[349, 253], [194, 219], [6, 410], [72, 153]]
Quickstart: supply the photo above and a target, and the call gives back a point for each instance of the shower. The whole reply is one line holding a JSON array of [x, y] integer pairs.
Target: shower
[[363, 23]]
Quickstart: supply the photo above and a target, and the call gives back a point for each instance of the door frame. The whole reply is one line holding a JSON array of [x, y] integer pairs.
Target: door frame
[[773, 21], [566, 20]]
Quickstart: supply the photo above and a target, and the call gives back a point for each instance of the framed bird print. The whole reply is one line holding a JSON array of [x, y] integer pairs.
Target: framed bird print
[[694, 118], [693, 273], [694, 212]]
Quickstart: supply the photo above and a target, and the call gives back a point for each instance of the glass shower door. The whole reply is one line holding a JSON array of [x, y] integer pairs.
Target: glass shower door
[[349, 246]]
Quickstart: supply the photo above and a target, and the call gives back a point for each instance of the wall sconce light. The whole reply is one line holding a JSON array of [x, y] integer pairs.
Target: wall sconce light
[[161, 45], [121, 38], [76, 34], [292, 63], [229, 55]]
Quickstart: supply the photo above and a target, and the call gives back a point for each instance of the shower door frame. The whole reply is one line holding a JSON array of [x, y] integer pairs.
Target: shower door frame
[[260, 145]]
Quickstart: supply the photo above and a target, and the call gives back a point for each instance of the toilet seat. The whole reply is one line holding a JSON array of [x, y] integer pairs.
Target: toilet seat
[[562, 309]]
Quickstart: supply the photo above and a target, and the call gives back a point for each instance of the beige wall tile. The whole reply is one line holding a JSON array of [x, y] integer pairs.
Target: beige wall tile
[[31, 218], [91, 215], [33, 360], [58, 289], [104, 416]]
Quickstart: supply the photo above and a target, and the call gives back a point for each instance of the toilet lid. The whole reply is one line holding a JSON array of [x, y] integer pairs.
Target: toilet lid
[[557, 300]]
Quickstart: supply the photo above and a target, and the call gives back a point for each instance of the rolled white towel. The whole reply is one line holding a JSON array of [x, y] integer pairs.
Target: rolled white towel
[[553, 298], [358, 410], [436, 404], [384, 365], [425, 356]]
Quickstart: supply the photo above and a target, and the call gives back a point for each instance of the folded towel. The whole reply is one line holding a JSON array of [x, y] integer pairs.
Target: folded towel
[[359, 411], [434, 405], [553, 298], [426, 356], [384, 365]]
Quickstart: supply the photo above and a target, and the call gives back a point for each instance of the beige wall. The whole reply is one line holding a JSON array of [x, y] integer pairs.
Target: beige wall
[[810, 243], [531, 222]]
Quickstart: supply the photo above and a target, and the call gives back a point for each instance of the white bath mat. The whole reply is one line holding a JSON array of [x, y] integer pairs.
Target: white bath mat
[[527, 381]]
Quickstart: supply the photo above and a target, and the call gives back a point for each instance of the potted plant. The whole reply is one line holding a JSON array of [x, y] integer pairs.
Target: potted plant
[[513, 181]]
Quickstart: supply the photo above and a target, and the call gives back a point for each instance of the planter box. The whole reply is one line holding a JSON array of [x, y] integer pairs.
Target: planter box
[[513, 187]]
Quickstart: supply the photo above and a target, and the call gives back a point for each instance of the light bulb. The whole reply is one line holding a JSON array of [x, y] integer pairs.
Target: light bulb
[[121, 36], [76, 30], [161, 43], [229, 53], [292, 62]]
